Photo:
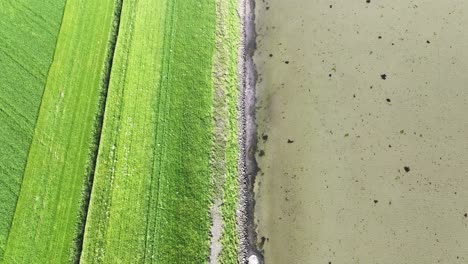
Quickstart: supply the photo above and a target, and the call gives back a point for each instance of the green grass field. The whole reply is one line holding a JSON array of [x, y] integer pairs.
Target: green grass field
[[168, 147], [48, 217], [153, 191], [28, 33]]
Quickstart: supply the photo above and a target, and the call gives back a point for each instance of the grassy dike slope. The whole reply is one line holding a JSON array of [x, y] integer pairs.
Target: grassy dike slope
[[28, 30], [47, 222], [227, 126], [154, 186]]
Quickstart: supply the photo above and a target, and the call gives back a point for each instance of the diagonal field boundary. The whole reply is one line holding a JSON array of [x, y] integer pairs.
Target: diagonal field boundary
[[48, 220], [27, 45]]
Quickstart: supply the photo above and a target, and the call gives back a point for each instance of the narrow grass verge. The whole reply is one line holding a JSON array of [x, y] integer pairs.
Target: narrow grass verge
[[48, 219], [226, 152], [230, 239]]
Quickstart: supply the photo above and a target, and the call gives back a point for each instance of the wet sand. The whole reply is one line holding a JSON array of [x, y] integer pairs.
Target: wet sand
[[362, 114]]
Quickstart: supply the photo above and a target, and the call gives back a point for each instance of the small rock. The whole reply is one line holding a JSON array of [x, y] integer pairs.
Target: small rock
[[253, 259]]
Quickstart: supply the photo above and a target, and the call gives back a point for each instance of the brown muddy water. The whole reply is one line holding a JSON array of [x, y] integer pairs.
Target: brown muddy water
[[362, 113]]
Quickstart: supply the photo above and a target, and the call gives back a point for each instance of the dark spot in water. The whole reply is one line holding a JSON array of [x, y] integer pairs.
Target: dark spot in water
[[264, 136], [428, 42], [383, 76], [466, 214], [261, 153], [368, 1], [286, 62], [354, 95], [393, 44], [271, 55], [380, 37], [389, 146], [376, 201], [329, 75], [267, 8], [331, 6], [290, 141], [262, 242], [388, 100], [407, 169]]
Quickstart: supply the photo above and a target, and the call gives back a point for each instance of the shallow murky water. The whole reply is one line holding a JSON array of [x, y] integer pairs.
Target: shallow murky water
[[363, 131]]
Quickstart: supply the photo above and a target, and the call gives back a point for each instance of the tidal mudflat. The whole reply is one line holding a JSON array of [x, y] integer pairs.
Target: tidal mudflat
[[362, 131]]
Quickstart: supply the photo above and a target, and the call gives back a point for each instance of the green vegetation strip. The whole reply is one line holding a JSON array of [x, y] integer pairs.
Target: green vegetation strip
[[154, 187], [28, 30], [229, 45], [49, 213], [226, 137]]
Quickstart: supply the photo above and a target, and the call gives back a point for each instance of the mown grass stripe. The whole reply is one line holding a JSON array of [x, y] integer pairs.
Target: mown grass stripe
[[48, 217], [98, 124], [116, 225], [161, 107], [26, 52]]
